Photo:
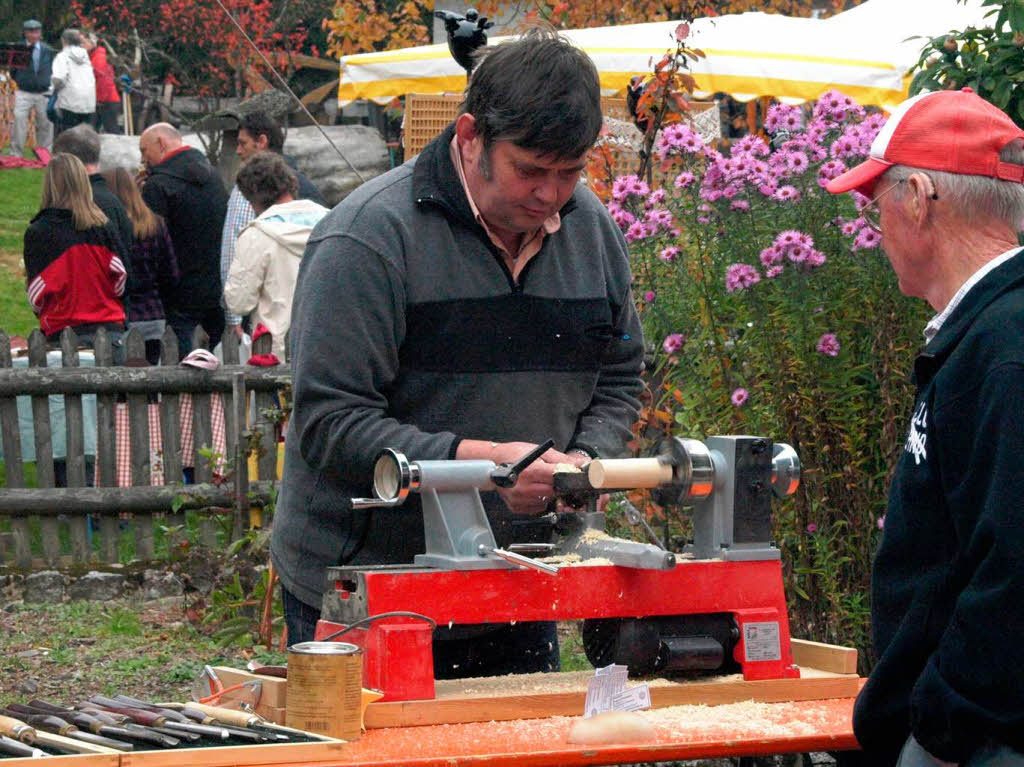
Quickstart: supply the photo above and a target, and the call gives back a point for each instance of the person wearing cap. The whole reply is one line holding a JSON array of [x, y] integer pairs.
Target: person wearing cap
[[946, 181], [33, 84]]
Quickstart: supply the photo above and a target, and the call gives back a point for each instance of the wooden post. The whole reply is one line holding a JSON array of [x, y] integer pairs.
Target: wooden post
[[106, 450], [202, 437], [44, 445], [266, 401], [80, 550], [238, 398], [170, 439], [10, 432], [138, 431]]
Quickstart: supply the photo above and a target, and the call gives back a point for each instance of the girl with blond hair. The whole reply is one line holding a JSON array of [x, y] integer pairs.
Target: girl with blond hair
[[73, 274]]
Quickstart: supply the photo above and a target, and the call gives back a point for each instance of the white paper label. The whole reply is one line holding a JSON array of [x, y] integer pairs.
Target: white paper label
[[607, 691], [761, 641]]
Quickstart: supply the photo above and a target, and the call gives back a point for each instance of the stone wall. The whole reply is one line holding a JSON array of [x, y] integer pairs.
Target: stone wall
[[363, 146]]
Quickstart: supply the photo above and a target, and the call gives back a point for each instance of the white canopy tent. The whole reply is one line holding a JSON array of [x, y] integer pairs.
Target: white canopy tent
[[864, 52]]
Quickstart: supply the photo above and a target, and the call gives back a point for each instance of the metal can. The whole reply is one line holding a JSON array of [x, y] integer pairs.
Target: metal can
[[324, 692]]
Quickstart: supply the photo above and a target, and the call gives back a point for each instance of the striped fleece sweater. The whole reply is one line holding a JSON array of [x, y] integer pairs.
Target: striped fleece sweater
[[409, 332], [72, 277]]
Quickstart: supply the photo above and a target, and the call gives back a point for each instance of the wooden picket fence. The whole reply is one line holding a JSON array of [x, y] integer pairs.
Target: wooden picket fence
[[78, 524]]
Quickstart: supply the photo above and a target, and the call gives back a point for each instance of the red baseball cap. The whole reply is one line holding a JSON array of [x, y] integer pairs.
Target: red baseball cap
[[952, 131]]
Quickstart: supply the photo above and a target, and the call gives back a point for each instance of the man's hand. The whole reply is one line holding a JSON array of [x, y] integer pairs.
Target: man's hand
[[533, 491]]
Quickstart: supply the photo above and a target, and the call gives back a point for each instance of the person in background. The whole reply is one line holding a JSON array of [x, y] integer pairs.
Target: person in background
[[73, 274], [33, 91], [266, 264], [84, 143], [946, 181], [154, 274], [73, 82], [257, 132], [183, 188], [108, 100]]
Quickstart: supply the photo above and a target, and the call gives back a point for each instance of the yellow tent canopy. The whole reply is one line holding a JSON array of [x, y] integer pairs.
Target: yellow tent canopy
[[864, 52]]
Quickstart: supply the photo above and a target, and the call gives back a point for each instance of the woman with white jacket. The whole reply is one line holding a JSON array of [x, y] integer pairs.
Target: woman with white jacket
[[266, 264], [73, 83]]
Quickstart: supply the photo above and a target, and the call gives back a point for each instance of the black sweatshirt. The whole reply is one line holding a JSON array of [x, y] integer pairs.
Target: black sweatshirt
[[948, 580], [186, 190]]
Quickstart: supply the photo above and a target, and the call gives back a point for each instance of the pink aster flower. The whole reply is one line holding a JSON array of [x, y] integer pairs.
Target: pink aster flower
[[797, 162], [673, 343], [786, 194], [741, 277], [683, 180], [669, 254], [812, 528], [649, 296], [739, 396], [850, 228], [866, 239], [638, 230], [880, 522], [623, 218], [741, 205], [773, 271], [815, 258], [657, 197], [828, 345], [771, 255]]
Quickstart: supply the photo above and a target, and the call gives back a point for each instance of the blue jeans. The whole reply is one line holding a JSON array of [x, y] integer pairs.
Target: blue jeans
[[184, 322]]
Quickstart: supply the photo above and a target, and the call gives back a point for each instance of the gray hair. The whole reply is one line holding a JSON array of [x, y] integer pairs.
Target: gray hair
[[975, 198], [81, 141], [71, 37]]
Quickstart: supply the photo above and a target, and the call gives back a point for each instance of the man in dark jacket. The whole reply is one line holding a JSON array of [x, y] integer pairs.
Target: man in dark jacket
[[182, 186], [946, 175], [466, 305], [33, 91], [83, 142]]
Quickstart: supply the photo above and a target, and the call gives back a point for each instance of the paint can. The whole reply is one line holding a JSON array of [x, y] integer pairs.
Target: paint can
[[324, 692]]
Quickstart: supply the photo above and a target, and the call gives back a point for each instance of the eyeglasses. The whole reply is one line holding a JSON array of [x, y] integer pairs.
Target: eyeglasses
[[872, 214]]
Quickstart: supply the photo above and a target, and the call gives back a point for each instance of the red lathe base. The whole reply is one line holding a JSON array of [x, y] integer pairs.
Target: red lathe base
[[398, 660]]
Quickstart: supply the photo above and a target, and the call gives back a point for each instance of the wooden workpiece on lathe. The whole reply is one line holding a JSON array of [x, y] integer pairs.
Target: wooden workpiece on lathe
[[628, 472]]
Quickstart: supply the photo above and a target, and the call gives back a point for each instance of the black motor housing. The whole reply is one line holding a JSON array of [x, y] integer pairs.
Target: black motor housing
[[665, 645]]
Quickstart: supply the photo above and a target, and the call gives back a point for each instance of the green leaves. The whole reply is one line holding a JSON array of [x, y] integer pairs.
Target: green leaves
[[990, 60]]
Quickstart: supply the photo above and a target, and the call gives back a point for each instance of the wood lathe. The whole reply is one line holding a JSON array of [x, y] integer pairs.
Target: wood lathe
[[717, 607]]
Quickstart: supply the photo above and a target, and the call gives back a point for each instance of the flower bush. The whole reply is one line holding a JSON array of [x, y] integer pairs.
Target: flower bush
[[769, 309]]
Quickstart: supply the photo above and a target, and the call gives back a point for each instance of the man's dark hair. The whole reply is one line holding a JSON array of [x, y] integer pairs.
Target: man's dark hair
[[81, 141], [538, 91], [265, 178], [258, 124]]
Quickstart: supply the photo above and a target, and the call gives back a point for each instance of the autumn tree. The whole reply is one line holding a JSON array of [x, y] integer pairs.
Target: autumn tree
[[192, 42]]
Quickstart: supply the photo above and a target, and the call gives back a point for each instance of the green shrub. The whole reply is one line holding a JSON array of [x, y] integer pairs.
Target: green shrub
[[769, 309]]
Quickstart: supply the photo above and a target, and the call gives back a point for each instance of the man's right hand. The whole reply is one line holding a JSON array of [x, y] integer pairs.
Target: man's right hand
[[533, 491]]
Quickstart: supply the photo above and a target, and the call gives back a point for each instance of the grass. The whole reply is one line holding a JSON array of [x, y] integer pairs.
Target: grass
[[20, 190], [72, 650]]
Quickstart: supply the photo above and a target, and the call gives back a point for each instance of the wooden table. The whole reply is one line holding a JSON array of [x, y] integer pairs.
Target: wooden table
[[683, 732]]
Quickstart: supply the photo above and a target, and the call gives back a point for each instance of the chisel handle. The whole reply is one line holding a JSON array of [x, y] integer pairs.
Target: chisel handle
[[226, 715], [138, 715], [17, 729]]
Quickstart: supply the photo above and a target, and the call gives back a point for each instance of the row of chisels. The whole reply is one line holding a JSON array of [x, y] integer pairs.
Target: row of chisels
[[121, 723]]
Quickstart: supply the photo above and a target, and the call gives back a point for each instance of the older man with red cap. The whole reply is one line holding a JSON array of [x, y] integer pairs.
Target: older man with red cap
[[946, 182]]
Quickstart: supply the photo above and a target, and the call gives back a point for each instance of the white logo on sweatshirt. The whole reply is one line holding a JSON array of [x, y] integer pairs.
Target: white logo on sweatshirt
[[917, 438]]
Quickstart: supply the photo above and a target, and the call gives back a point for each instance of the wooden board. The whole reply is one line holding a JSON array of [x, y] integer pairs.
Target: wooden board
[[824, 657], [535, 696], [215, 756]]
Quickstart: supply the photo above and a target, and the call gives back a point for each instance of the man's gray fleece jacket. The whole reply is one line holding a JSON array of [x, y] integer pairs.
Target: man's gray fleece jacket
[[408, 332]]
